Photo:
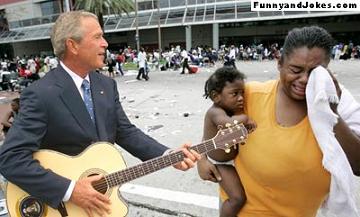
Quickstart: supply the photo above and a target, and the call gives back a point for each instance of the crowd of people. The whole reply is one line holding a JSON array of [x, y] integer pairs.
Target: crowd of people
[[23, 71], [171, 58], [295, 122], [178, 58], [28, 65]]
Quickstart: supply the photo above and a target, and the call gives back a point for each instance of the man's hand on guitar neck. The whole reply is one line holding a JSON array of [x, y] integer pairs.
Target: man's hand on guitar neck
[[190, 159], [85, 196]]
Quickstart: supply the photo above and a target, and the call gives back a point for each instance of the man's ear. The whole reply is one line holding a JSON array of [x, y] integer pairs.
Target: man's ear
[[72, 46]]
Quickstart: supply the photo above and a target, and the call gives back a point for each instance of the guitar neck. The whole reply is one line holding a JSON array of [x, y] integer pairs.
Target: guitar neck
[[155, 164]]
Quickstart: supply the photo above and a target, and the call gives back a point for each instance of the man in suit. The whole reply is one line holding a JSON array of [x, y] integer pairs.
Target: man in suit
[[61, 113]]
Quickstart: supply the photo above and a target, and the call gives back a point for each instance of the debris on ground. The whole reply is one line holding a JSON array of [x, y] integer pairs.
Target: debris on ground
[[154, 127]]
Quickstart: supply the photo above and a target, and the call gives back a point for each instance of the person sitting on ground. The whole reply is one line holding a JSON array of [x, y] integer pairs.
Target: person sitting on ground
[[10, 115]]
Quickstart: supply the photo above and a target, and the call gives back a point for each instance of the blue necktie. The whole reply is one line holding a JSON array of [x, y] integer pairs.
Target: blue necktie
[[87, 99]]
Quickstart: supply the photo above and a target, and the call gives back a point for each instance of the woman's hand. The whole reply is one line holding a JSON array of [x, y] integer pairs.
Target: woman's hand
[[337, 86], [333, 106], [208, 171]]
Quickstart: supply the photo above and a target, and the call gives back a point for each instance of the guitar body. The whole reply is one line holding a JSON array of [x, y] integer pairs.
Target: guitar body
[[113, 167], [85, 164]]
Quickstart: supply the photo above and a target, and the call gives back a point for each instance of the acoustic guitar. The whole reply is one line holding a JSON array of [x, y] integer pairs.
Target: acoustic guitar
[[104, 158]]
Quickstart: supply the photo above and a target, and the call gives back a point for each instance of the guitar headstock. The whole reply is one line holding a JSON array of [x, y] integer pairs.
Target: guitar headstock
[[229, 136]]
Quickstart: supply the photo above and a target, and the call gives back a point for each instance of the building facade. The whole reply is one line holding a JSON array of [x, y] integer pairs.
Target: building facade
[[26, 24]]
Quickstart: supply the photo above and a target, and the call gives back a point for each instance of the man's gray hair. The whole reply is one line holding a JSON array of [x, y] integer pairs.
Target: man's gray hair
[[67, 26]]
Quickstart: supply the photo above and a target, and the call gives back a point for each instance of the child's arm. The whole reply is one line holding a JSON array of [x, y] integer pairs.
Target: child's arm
[[247, 121], [219, 117]]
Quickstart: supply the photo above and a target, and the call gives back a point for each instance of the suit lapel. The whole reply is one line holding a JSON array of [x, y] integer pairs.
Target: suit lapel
[[99, 99], [74, 103]]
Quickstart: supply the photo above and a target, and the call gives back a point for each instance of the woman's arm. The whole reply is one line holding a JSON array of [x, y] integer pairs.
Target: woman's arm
[[350, 143]]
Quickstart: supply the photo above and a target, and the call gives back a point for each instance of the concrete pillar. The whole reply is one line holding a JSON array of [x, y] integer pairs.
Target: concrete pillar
[[215, 33], [67, 6], [188, 37]]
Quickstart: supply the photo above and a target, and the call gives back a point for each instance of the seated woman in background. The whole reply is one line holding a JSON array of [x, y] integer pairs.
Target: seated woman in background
[[10, 115]]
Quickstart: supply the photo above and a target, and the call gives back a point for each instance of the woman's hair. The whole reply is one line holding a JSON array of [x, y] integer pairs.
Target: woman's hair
[[217, 81], [67, 26], [310, 37]]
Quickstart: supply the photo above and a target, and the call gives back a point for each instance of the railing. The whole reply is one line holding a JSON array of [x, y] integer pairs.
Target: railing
[[33, 21]]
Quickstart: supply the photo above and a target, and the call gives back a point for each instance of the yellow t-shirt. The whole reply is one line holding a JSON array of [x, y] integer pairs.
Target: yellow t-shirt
[[280, 167]]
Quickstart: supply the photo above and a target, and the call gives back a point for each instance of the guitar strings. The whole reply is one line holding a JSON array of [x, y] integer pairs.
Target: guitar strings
[[132, 173]]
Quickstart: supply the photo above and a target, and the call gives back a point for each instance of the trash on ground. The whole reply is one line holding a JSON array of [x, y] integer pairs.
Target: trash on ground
[[175, 132], [130, 81]]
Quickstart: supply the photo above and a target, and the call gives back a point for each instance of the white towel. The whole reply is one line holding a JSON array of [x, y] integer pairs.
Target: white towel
[[320, 91]]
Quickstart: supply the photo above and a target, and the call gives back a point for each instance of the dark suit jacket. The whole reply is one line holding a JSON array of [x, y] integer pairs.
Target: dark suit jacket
[[53, 116]]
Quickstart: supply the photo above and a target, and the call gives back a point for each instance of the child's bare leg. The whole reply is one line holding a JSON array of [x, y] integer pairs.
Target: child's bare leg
[[232, 185]]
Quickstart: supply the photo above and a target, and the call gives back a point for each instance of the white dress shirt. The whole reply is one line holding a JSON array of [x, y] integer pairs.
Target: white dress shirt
[[78, 82]]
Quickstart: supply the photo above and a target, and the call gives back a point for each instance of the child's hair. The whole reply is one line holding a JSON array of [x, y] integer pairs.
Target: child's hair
[[216, 82]]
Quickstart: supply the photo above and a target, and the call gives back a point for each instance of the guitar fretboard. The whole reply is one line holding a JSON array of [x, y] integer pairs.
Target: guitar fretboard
[[225, 138], [155, 164]]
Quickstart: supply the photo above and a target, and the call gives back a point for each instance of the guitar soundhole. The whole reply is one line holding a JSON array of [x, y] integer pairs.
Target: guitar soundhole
[[100, 186], [31, 207]]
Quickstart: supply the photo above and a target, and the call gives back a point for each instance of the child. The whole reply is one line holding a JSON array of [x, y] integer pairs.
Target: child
[[226, 89], [9, 117]]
